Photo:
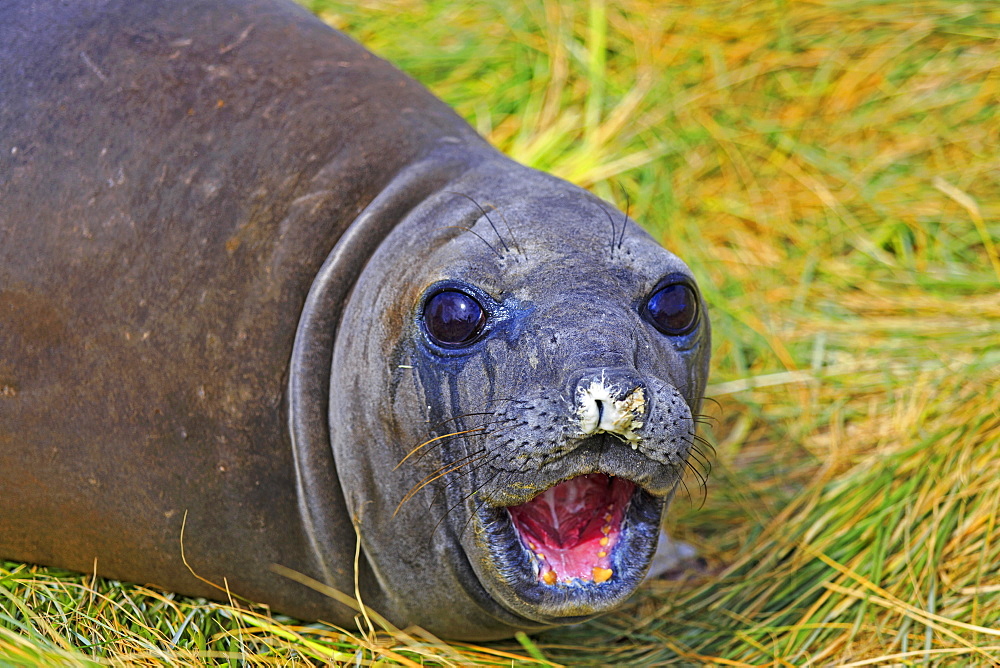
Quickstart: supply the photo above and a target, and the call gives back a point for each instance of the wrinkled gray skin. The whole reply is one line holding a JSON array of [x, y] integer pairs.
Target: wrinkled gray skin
[[218, 223]]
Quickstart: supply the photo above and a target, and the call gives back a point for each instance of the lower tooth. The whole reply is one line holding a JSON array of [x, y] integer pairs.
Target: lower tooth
[[549, 577], [601, 574]]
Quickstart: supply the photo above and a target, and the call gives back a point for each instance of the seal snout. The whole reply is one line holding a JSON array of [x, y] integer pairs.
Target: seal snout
[[575, 517], [645, 412]]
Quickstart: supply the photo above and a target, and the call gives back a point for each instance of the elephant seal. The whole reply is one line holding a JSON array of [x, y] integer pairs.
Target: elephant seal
[[262, 294]]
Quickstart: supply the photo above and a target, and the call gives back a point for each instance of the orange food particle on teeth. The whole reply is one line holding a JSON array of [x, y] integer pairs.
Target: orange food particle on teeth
[[602, 574], [549, 577], [604, 541]]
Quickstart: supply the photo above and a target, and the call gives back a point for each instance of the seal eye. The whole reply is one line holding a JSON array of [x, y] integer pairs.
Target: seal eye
[[673, 309], [453, 318]]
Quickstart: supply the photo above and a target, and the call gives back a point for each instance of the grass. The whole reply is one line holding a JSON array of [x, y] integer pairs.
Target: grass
[[829, 170]]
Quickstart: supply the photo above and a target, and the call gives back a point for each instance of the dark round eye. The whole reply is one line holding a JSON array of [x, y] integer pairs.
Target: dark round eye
[[453, 318], [673, 309]]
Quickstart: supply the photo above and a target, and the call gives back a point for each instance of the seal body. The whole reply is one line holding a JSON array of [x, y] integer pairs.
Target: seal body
[[225, 233]]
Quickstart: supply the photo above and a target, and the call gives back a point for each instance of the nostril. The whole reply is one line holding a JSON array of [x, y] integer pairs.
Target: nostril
[[607, 409]]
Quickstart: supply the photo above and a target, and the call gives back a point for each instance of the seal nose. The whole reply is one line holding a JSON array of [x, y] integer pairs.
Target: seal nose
[[611, 403]]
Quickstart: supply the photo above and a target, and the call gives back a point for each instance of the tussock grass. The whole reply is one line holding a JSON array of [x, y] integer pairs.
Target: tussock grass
[[829, 170]]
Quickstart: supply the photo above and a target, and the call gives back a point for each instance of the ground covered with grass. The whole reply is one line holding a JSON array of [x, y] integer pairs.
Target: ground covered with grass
[[830, 171]]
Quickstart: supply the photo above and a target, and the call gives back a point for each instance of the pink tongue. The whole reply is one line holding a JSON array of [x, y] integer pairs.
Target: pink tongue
[[572, 527]]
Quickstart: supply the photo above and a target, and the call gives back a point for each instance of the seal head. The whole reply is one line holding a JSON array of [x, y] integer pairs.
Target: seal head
[[512, 408]]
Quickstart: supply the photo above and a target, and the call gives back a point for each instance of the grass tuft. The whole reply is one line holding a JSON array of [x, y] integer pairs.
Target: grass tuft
[[829, 171]]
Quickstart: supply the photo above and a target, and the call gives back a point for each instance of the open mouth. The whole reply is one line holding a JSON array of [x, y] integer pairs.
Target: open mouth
[[565, 527], [570, 530], [574, 550]]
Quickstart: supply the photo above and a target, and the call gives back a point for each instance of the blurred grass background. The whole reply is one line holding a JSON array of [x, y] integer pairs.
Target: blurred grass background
[[831, 172]]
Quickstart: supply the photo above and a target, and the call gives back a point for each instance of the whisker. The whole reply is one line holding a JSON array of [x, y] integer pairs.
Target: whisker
[[463, 500], [697, 443], [483, 502], [458, 417], [703, 481], [471, 231], [713, 400], [702, 441], [440, 473], [511, 232], [701, 459], [702, 418], [686, 489], [700, 454], [702, 471], [436, 438], [614, 230], [628, 205], [486, 215], [466, 471], [465, 527]]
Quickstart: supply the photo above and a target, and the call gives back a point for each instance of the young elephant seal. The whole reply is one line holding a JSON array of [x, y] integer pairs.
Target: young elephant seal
[[258, 284]]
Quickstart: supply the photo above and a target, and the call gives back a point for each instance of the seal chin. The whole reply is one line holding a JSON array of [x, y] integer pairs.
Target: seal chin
[[577, 549]]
